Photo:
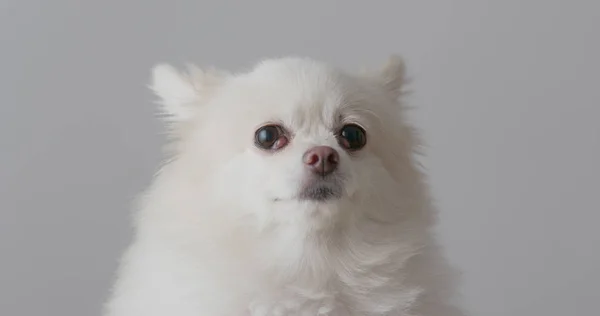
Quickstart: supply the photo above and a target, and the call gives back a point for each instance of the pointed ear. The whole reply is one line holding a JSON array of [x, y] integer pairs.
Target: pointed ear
[[183, 93], [393, 75]]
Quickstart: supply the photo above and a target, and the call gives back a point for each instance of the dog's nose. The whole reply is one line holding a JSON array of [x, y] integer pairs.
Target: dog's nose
[[321, 160]]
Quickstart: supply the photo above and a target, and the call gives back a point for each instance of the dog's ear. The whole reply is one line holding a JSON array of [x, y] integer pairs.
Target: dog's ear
[[182, 93], [393, 75]]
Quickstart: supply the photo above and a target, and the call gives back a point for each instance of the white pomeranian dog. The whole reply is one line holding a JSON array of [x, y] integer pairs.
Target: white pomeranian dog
[[291, 189]]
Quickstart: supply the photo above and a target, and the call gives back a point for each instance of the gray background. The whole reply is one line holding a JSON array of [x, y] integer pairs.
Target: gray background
[[506, 92]]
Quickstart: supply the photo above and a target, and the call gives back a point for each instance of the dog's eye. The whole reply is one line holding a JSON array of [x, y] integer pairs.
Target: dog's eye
[[352, 137], [270, 137]]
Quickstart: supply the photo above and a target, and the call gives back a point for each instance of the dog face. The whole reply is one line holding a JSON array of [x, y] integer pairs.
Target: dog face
[[291, 140]]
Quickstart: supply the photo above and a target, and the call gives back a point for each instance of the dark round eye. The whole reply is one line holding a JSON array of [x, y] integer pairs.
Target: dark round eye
[[353, 137], [270, 137]]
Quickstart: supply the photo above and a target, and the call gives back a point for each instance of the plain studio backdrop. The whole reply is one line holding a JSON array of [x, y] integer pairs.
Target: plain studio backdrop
[[506, 92]]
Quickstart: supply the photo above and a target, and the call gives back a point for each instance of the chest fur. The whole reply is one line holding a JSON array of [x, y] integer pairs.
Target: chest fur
[[328, 278]]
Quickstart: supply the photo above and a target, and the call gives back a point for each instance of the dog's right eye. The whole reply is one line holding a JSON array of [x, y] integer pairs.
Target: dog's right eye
[[270, 137]]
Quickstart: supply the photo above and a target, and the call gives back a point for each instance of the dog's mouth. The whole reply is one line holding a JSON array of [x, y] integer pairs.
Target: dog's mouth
[[321, 191], [317, 190]]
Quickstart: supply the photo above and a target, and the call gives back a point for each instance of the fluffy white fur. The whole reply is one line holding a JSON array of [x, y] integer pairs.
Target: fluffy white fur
[[221, 233]]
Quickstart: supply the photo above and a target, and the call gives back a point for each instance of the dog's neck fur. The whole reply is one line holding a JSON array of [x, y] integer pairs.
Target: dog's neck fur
[[353, 265], [350, 261]]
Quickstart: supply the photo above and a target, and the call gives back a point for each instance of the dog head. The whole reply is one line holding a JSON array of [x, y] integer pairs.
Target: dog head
[[291, 140]]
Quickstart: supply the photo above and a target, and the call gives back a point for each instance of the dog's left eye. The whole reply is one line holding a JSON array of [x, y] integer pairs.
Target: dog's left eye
[[352, 137], [270, 137]]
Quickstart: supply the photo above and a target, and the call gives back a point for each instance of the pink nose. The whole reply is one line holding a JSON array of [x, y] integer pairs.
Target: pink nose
[[321, 160]]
